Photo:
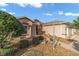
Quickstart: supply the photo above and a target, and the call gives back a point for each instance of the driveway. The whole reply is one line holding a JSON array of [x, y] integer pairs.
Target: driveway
[[69, 46]]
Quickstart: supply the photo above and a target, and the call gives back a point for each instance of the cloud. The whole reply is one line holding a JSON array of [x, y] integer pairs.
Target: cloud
[[3, 4], [71, 14], [48, 14], [3, 9], [12, 13], [67, 13], [60, 12], [22, 3], [36, 5]]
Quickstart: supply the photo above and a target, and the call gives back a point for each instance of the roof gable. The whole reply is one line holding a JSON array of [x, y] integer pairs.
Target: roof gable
[[25, 18]]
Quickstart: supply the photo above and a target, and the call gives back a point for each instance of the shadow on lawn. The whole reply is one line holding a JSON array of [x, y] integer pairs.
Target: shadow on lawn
[[76, 45]]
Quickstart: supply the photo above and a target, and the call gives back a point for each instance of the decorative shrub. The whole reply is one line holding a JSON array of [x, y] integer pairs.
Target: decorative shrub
[[23, 44], [51, 39], [37, 40]]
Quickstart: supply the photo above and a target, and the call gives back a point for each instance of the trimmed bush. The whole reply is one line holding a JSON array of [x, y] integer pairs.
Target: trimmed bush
[[23, 44], [37, 40]]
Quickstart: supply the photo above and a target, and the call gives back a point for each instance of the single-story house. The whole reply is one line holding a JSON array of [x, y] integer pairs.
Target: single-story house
[[57, 28], [32, 27]]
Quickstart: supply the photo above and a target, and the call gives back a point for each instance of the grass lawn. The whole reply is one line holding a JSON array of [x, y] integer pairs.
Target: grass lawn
[[47, 50]]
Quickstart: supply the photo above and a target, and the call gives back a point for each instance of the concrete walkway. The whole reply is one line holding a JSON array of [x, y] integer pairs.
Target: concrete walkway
[[69, 46]]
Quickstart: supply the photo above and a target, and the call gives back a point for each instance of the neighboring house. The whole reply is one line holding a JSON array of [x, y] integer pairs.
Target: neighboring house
[[59, 29]]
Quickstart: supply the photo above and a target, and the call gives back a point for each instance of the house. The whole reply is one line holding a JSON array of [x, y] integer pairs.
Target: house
[[32, 28], [59, 29]]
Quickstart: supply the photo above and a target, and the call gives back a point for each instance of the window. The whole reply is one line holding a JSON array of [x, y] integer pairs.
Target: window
[[64, 31], [53, 30], [25, 27]]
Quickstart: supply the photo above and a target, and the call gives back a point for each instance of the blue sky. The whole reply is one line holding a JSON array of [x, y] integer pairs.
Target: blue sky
[[44, 12]]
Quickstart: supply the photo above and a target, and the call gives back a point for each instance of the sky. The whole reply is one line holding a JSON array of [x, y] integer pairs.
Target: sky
[[45, 12]]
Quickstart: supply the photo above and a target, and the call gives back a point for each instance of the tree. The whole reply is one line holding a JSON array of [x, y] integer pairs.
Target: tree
[[9, 23], [9, 26], [76, 23], [5, 40]]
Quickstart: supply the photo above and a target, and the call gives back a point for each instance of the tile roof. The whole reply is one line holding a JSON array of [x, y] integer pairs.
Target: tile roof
[[25, 18], [56, 22]]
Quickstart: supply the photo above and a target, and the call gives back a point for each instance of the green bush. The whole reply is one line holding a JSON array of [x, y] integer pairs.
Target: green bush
[[9, 23], [37, 40], [9, 27], [23, 44], [7, 51]]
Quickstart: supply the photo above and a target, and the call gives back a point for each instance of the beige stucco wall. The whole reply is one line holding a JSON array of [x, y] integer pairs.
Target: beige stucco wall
[[28, 23], [33, 30], [60, 30]]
